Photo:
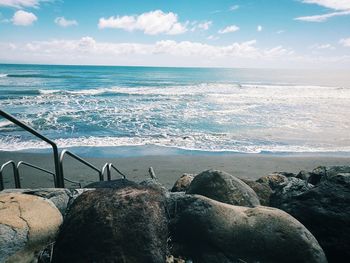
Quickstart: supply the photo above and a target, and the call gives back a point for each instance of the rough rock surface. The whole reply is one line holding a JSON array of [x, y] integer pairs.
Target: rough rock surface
[[325, 211], [322, 173], [212, 231], [182, 184], [109, 225], [116, 184], [223, 187], [263, 191], [273, 180], [61, 198], [27, 224], [288, 189]]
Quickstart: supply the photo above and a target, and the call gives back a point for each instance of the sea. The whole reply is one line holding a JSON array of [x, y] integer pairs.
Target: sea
[[178, 110]]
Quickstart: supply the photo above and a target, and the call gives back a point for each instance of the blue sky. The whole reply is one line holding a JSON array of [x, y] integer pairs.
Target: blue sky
[[221, 33]]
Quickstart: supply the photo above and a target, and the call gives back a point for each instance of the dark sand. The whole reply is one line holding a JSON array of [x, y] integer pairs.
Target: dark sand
[[167, 167]]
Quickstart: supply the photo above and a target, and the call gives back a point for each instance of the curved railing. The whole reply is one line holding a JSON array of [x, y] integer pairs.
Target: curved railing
[[15, 174], [58, 175], [22, 163], [76, 157]]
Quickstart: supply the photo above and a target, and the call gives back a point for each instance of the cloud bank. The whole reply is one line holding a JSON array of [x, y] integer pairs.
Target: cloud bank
[[151, 23]]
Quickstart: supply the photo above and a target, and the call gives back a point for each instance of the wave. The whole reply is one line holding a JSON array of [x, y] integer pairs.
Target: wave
[[3, 75], [184, 143]]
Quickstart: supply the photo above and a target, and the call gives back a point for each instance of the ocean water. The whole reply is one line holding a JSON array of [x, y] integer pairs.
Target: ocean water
[[212, 110]]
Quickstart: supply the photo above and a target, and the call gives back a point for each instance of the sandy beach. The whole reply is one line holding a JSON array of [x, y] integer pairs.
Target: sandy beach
[[167, 167]]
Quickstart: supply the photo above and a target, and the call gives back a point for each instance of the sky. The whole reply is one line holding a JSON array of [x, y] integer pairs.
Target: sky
[[182, 33]]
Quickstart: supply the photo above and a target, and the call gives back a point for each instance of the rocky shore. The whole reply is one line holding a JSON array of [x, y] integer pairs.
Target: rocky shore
[[209, 217]]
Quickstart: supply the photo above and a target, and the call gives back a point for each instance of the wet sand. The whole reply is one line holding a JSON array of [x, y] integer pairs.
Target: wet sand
[[167, 167]]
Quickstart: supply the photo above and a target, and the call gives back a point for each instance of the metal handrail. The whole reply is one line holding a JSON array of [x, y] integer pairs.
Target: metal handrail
[[15, 174], [35, 167], [43, 170], [116, 169], [76, 157], [58, 177]]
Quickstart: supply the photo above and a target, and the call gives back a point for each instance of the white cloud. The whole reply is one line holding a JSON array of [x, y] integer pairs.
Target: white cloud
[[332, 4], [342, 8], [345, 42], [259, 28], [151, 23], [61, 21], [322, 47], [23, 18], [21, 3], [280, 32], [322, 18], [212, 37], [205, 25], [234, 7], [228, 29], [165, 52]]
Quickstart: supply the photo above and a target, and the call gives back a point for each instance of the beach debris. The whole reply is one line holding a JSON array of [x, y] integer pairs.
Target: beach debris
[[151, 173], [223, 187]]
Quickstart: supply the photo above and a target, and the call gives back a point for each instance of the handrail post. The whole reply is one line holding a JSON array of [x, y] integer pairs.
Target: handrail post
[[109, 168]]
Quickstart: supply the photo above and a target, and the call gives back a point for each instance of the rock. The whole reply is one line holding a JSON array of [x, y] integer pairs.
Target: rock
[[182, 184], [288, 189], [263, 191], [116, 184], [109, 225], [27, 224], [322, 173], [223, 187], [325, 211], [216, 232], [61, 198], [273, 180]]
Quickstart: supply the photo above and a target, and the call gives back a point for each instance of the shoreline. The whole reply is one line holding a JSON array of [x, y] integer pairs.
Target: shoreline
[[168, 167]]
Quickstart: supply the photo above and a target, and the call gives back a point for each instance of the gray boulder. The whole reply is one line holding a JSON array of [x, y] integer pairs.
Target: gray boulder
[[223, 187], [325, 211], [182, 184], [213, 232], [114, 225]]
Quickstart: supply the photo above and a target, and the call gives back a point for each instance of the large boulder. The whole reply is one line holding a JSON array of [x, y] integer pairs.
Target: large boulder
[[223, 187], [114, 225], [213, 232], [182, 184], [325, 211], [27, 224]]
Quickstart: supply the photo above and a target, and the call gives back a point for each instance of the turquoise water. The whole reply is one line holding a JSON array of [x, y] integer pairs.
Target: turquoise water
[[212, 110]]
